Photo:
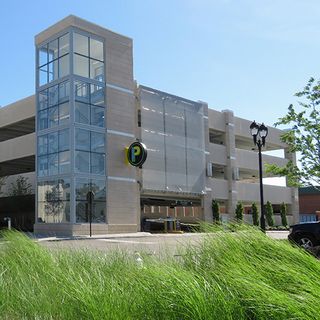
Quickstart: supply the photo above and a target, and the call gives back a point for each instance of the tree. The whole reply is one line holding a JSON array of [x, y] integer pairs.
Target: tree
[[215, 211], [54, 203], [239, 211], [2, 183], [255, 214], [269, 214], [283, 213], [20, 187], [303, 137]]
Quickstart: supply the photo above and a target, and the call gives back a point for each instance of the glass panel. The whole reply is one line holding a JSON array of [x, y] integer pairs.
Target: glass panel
[[64, 44], [53, 116], [64, 66], [97, 163], [81, 66], [43, 99], [65, 188], [53, 50], [41, 212], [99, 189], [82, 113], [82, 188], [53, 163], [96, 70], [64, 91], [43, 119], [43, 55], [64, 140], [99, 204], [53, 96], [81, 212], [64, 113], [97, 116], [82, 139], [66, 211], [82, 161], [42, 166], [54, 209], [96, 49], [53, 142], [97, 95], [99, 208], [43, 145], [41, 191], [97, 142], [43, 75], [64, 162], [81, 44], [53, 70], [81, 91]]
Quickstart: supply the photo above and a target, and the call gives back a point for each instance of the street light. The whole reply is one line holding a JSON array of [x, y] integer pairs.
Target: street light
[[259, 134]]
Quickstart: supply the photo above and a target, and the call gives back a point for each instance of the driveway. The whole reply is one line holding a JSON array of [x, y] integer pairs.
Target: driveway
[[155, 244]]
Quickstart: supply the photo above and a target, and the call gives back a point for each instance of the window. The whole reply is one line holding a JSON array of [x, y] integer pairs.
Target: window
[[54, 201], [90, 152], [53, 106], [98, 187], [53, 60], [89, 104], [53, 153], [88, 59]]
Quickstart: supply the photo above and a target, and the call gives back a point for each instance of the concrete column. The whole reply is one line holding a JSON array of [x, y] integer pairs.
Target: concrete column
[[293, 208], [207, 199], [231, 162]]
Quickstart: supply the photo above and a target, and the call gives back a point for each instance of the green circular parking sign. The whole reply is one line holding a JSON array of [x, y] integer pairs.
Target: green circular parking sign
[[137, 154]]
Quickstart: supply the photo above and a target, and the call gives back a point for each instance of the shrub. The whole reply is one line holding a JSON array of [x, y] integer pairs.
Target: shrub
[[269, 214], [255, 214], [215, 211], [239, 211], [283, 213]]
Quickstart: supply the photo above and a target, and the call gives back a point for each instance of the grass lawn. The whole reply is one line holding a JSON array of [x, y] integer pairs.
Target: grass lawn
[[236, 275]]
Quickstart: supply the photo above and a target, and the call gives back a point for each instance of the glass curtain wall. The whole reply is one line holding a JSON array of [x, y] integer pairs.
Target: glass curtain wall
[[173, 131], [71, 151]]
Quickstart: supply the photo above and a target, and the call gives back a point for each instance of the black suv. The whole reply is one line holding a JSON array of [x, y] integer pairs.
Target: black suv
[[306, 235]]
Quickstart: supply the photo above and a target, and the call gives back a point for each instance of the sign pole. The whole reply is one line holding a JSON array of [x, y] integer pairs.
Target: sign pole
[[90, 197]]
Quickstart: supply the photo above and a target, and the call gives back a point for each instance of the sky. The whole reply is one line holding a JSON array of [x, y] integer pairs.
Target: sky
[[249, 56]]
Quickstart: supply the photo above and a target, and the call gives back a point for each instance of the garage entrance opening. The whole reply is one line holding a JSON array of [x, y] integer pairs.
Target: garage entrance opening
[[187, 211]]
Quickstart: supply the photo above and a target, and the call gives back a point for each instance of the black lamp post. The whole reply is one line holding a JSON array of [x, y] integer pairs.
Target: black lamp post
[[259, 134]]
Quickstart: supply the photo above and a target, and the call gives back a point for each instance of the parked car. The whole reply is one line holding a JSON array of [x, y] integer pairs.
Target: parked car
[[306, 235]]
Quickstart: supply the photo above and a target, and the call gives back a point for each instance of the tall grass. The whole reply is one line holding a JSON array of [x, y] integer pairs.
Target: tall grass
[[229, 275]]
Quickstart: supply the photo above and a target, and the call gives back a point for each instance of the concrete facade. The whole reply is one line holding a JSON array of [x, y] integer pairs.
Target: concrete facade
[[228, 163]]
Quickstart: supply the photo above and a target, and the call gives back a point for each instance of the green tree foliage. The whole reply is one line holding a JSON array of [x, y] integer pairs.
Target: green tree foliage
[[255, 214], [54, 202], [239, 211], [2, 183], [283, 213], [303, 137], [215, 211], [269, 214], [20, 187]]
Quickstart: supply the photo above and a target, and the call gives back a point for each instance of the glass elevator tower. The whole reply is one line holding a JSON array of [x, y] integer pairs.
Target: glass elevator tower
[[71, 121]]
